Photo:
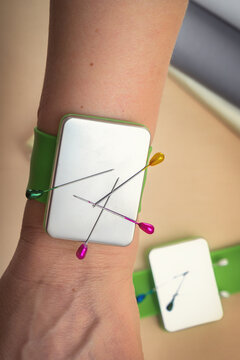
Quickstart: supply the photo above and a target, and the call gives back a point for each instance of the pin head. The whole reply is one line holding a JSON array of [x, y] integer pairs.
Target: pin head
[[33, 194], [81, 251], [225, 294], [222, 262], [147, 228], [170, 306], [156, 159], [140, 298]]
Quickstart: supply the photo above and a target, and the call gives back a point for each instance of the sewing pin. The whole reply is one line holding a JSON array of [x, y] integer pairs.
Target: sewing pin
[[35, 194], [156, 159], [169, 307], [82, 250], [147, 228], [142, 296]]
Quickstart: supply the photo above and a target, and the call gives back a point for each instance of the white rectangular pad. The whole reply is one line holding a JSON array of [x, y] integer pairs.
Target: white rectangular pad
[[88, 146], [197, 300]]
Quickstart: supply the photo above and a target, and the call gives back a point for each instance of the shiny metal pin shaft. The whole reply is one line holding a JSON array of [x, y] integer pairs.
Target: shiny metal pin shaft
[[100, 213]]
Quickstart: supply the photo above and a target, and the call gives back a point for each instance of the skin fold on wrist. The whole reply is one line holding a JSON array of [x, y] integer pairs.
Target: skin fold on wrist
[[53, 258]]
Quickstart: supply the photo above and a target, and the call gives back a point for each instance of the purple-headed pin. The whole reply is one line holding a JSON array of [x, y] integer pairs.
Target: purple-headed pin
[[147, 228]]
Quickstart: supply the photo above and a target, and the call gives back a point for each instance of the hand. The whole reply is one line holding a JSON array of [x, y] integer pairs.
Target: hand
[[47, 293]]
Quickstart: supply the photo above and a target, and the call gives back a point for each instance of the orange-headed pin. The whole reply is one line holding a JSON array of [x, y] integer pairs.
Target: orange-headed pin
[[156, 159]]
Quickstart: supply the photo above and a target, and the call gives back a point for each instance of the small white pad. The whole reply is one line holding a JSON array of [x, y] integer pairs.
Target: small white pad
[[198, 300]]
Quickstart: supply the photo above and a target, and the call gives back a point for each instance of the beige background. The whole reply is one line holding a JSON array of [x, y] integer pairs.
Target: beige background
[[196, 191]]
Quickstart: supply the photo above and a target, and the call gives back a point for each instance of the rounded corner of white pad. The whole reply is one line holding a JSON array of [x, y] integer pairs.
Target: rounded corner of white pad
[[169, 328], [221, 313], [202, 241], [127, 243], [147, 132], [50, 233]]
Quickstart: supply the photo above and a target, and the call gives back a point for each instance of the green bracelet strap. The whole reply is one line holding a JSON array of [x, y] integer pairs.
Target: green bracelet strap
[[227, 278], [43, 155], [42, 160]]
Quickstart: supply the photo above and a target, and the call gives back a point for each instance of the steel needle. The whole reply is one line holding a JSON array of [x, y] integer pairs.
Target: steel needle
[[101, 213], [142, 296], [147, 228], [82, 250], [156, 159], [35, 194], [169, 307]]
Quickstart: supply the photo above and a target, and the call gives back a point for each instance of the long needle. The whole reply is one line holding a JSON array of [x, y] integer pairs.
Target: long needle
[[82, 250], [142, 296], [34, 194], [147, 228], [169, 307], [156, 159], [101, 213]]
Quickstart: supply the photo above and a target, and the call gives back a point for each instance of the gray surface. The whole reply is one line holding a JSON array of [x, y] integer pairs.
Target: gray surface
[[208, 50], [228, 11]]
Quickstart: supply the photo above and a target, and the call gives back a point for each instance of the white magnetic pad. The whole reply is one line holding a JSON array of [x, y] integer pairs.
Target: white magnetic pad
[[197, 301], [89, 146]]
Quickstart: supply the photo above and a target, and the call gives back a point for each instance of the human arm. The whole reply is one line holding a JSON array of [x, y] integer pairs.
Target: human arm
[[105, 58]]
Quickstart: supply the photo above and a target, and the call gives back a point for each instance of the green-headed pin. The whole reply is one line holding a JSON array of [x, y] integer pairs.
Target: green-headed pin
[[35, 194]]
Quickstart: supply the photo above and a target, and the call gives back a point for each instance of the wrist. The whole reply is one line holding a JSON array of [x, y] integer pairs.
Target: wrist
[[68, 313], [40, 257]]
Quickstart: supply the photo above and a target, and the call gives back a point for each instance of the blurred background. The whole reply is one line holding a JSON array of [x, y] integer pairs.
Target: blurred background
[[197, 187]]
